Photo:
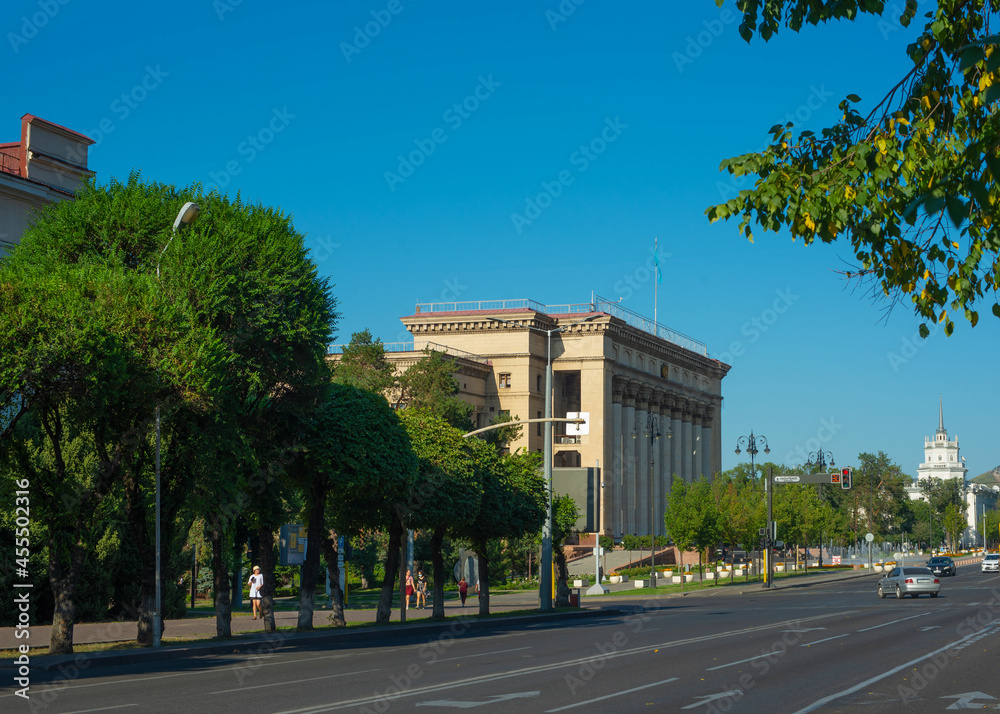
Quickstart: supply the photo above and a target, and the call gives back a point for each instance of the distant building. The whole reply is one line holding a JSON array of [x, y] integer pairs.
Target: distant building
[[620, 369], [943, 461], [47, 164]]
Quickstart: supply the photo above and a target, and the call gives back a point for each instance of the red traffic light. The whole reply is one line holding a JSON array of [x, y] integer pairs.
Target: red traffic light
[[845, 478]]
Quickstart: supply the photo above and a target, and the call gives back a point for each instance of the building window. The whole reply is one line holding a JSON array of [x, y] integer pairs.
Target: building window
[[505, 380], [538, 382], [538, 430]]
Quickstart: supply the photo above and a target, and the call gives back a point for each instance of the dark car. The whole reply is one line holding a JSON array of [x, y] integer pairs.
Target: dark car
[[942, 565]]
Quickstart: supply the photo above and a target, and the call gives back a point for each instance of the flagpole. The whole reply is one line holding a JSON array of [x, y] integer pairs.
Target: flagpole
[[656, 279]]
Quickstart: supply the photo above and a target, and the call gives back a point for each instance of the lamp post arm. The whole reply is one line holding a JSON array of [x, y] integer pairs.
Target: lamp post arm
[[491, 427]]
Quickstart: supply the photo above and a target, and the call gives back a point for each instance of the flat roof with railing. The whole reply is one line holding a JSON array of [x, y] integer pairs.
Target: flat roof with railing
[[609, 307], [417, 346]]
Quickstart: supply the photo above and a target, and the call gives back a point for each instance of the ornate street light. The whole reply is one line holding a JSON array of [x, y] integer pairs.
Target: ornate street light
[[750, 444], [818, 459], [650, 430]]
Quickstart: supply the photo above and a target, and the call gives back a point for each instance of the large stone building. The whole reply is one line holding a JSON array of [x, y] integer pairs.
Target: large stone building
[[943, 461], [47, 164], [623, 371]]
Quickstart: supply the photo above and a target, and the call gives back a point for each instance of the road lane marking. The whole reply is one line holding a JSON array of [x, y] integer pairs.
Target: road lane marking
[[537, 669], [707, 698], [893, 622], [861, 685], [835, 637], [102, 709], [742, 661], [612, 696], [481, 654], [455, 704], [284, 682]]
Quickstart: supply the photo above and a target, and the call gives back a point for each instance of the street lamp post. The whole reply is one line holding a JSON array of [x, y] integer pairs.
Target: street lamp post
[[818, 459], [651, 431], [545, 575], [187, 214], [750, 443]]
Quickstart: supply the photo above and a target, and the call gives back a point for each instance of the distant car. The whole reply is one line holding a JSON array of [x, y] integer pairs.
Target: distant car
[[942, 565], [909, 580], [991, 562]]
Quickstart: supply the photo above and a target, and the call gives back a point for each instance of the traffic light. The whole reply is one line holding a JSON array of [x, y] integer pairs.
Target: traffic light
[[845, 478]]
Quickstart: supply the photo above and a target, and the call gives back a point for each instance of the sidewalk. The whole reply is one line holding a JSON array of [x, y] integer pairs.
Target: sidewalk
[[201, 625]]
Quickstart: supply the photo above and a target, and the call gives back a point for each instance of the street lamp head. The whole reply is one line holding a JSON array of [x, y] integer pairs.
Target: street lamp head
[[737, 451], [767, 449], [187, 214]]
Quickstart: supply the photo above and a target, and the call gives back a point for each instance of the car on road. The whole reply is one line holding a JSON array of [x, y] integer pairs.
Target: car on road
[[991, 562], [942, 565], [909, 580]]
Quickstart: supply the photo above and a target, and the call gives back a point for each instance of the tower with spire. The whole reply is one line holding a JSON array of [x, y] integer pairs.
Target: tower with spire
[[941, 456]]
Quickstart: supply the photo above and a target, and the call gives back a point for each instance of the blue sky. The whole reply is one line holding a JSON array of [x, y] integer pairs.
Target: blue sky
[[408, 139]]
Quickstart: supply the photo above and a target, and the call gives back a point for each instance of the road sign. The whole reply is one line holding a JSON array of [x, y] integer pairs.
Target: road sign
[[807, 478], [869, 537]]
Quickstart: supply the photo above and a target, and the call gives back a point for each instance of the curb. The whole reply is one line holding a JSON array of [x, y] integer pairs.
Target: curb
[[261, 644]]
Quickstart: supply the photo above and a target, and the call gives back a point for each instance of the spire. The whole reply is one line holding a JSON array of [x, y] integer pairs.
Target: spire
[[940, 413]]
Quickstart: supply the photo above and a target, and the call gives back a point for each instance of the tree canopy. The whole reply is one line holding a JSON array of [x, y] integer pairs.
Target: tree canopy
[[910, 180]]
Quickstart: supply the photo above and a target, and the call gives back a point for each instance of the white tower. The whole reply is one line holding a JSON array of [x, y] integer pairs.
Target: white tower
[[941, 457]]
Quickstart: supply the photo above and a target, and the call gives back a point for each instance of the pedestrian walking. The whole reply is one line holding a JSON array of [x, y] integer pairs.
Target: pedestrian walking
[[256, 582], [463, 590]]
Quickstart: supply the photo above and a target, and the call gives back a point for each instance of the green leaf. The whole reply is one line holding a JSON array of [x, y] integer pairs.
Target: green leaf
[[972, 55], [853, 98], [956, 210]]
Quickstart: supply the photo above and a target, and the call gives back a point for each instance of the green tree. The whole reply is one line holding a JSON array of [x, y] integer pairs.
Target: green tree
[[565, 513], [363, 364], [513, 504], [429, 385], [691, 517], [358, 468], [911, 183], [954, 523], [447, 492]]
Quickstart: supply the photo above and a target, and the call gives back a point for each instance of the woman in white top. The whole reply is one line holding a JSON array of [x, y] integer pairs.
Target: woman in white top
[[256, 582]]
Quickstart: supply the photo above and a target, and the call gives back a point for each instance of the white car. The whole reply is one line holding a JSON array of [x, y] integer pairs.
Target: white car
[[991, 562]]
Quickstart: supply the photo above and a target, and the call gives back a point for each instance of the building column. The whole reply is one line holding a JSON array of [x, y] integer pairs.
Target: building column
[[687, 467], [628, 421], [677, 447], [641, 461], [655, 409], [708, 446], [613, 516]]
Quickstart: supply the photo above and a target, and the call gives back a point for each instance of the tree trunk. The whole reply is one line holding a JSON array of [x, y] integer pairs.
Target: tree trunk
[[136, 518], [484, 580], [562, 581], [331, 555], [63, 582], [266, 562], [220, 580], [384, 610], [310, 573], [437, 563]]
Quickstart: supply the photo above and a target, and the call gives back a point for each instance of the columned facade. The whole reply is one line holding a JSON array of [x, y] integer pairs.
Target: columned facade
[[621, 376]]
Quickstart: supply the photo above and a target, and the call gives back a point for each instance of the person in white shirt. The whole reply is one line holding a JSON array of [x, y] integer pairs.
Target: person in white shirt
[[256, 582]]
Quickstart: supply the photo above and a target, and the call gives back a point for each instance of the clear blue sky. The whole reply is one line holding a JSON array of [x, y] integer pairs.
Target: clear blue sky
[[307, 106]]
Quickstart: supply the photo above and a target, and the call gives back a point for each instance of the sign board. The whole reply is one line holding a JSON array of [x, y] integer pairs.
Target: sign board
[[836, 560], [292, 545], [869, 537], [807, 478], [578, 429]]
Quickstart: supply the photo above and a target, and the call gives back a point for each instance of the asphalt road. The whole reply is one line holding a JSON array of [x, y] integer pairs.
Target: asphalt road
[[832, 648]]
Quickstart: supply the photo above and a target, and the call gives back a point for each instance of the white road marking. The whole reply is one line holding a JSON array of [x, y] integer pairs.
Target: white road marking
[[893, 622], [712, 697], [455, 704], [965, 701], [742, 661], [611, 696], [285, 683], [835, 637], [481, 654], [861, 685]]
